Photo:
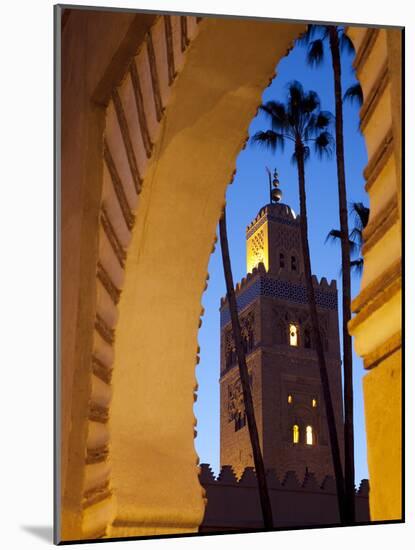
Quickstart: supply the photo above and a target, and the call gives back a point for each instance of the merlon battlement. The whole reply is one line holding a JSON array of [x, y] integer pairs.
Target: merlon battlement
[[289, 482]]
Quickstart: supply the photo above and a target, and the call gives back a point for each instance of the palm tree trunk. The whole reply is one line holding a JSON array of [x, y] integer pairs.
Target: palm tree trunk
[[331, 421], [243, 373], [346, 302]]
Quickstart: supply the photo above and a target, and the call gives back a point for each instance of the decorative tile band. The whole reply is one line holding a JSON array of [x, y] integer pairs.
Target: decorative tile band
[[285, 290]]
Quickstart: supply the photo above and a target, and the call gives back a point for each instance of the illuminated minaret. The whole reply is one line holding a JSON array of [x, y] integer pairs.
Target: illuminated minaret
[[276, 327]]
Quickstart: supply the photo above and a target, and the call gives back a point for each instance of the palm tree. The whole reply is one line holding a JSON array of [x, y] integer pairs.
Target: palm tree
[[302, 122], [315, 37], [244, 376], [361, 219]]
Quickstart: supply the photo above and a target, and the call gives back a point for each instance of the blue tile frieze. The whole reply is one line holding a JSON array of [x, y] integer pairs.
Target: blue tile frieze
[[285, 290]]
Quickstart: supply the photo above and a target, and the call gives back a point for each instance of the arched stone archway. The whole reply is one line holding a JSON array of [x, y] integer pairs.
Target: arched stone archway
[[161, 113]]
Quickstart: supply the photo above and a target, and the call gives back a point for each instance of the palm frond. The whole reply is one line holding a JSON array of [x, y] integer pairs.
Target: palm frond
[[356, 236], [361, 214], [324, 145], [346, 45], [315, 53], [324, 119], [335, 235], [276, 112], [306, 37], [357, 266], [306, 155], [268, 140], [310, 102], [354, 94]]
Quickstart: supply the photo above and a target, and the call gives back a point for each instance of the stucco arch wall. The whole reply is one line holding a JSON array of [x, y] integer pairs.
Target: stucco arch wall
[[205, 125]]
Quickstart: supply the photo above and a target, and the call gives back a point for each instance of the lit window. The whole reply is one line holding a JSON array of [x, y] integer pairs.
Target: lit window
[[293, 335], [309, 435], [296, 433], [290, 399], [314, 403]]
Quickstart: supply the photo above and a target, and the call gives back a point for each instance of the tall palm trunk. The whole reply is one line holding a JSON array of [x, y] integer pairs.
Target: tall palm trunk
[[331, 421], [243, 372], [345, 248]]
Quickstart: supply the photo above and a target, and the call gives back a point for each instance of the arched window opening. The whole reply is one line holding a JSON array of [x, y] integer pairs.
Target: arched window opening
[[293, 263], [293, 335], [307, 338], [309, 435], [282, 260], [314, 403], [296, 433], [251, 340], [240, 421]]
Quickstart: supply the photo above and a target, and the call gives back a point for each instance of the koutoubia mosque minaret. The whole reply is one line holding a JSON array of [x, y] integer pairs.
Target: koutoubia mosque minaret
[[282, 362]]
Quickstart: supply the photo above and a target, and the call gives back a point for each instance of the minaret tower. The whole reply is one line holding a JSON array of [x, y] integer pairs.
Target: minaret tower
[[282, 362]]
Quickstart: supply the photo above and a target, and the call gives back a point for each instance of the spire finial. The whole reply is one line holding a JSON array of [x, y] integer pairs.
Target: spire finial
[[276, 193]]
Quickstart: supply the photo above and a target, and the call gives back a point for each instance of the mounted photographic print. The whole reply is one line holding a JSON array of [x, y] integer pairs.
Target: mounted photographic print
[[229, 274]]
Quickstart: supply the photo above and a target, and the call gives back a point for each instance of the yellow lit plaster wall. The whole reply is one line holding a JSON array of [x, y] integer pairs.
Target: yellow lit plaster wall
[[257, 249], [154, 464], [86, 70], [378, 308]]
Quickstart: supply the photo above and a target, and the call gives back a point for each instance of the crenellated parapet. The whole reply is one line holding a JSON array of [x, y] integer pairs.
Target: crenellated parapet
[[233, 503], [290, 481]]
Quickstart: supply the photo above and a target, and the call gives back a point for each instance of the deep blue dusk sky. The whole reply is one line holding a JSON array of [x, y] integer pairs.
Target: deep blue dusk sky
[[245, 197]]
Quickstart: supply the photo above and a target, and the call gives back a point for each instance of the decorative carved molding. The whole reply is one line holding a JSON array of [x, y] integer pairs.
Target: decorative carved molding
[[106, 332], [139, 102], [108, 284], [118, 188], [125, 132], [383, 281], [380, 225], [374, 96], [366, 47], [392, 344], [112, 237], [97, 494], [99, 454], [379, 159], [371, 307], [154, 76], [169, 48], [184, 37], [98, 413], [102, 371]]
